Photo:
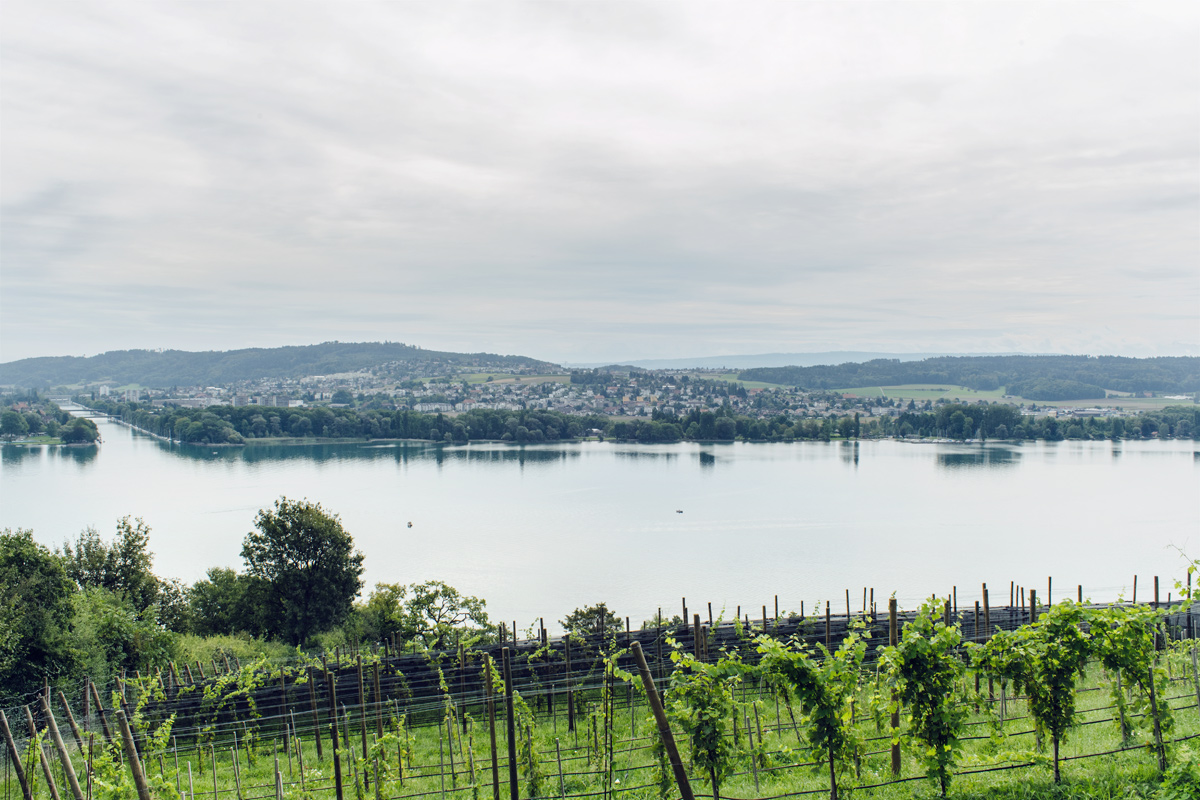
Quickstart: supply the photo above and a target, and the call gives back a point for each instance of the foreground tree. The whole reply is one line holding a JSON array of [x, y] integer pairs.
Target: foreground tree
[[125, 567], [225, 602], [35, 614], [309, 568]]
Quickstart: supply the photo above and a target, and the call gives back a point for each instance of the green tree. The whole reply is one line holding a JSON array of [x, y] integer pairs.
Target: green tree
[[79, 431], [110, 635], [383, 612], [591, 620], [35, 612], [124, 567], [309, 567], [435, 610], [226, 602], [12, 425]]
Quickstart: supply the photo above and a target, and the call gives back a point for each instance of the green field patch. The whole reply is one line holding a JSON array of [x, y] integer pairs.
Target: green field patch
[[864, 391], [732, 377], [927, 391]]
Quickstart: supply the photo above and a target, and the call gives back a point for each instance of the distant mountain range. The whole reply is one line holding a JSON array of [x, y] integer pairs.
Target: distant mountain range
[[1035, 377], [160, 369]]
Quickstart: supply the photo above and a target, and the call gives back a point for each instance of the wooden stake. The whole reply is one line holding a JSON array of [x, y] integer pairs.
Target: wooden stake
[[827, 632], [100, 710], [41, 756], [1195, 676], [62, 698], [337, 762], [491, 709], [513, 787], [135, 764], [378, 698], [664, 727], [15, 757], [312, 702], [68, 768], [1158, 737], [362, 709], [893, 640]]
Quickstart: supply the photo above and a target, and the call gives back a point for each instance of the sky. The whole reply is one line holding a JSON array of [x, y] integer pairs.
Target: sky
[[601, 181]]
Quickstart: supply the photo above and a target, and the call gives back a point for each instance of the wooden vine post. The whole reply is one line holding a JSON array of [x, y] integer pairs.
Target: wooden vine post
[[312, 702], [987, 634], [62, 699], [1158, 736], [827, 632], [362, 708], [664, 727], [63, 756], [333, 718], [893, 640], [103, 717], [570, 689], [491, 709], [15, 757], [513, 787], [41, 756], [135, 764]]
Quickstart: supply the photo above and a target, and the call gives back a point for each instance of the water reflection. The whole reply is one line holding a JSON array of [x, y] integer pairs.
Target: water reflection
[[707, 459], [646, 455], [983, 457], [398, 452], [850, 452], [80, 453], [16, 453]]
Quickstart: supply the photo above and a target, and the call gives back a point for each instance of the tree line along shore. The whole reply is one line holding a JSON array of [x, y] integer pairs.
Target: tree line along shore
[[959, 421]]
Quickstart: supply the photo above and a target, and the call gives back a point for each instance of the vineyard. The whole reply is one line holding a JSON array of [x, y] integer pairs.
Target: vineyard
[[939, 700]]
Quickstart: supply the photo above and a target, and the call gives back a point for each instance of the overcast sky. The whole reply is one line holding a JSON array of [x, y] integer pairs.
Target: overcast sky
[[593, 181]]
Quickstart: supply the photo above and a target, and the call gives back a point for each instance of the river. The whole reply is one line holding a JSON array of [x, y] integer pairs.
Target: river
[[541, 530]]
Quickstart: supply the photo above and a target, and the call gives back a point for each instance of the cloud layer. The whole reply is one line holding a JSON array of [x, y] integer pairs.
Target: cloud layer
[[595, 180]]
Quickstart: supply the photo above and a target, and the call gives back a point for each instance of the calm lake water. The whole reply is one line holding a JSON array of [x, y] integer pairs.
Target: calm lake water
[[539, 531]]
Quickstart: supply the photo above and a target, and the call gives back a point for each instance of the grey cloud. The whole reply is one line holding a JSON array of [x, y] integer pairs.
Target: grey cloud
[[597, 181]]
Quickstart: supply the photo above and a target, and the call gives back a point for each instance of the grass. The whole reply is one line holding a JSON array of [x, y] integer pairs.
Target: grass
[[732, 377], [428, 771], [927, 391], [473, 378]]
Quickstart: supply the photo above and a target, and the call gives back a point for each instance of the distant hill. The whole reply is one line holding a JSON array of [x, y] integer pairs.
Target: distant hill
[[1034, 377], [157, 369], [766, 360]]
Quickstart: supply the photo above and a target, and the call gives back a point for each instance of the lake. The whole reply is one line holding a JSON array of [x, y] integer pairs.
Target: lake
[[541, 530]]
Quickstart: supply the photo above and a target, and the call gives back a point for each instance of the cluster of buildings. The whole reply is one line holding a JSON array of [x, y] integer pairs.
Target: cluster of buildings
[[635, 393]]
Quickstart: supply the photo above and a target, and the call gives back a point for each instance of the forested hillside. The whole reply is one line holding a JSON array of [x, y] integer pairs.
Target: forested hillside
[[156, 369], [1036, 377]]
